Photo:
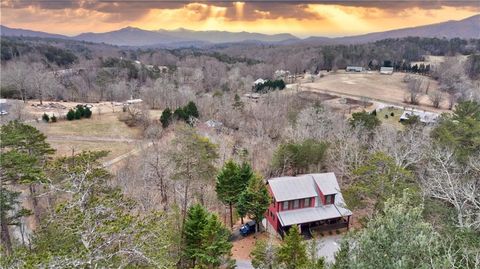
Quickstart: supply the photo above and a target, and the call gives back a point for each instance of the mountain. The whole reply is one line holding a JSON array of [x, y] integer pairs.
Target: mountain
[[466, 28], [130, 36], [6, 31]]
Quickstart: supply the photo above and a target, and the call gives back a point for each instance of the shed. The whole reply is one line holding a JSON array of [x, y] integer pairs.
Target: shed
[[354, 69], [386, 70]]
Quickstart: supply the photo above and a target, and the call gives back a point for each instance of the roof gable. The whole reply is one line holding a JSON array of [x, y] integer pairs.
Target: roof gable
[[292, 188], [327, 183]]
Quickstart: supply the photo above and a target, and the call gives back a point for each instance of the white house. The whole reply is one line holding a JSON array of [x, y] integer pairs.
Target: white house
[[354, 69], [425, 117]]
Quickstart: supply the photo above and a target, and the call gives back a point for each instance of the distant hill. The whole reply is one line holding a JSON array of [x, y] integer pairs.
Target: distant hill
[[130, 36], [466, 28], [6, 31]]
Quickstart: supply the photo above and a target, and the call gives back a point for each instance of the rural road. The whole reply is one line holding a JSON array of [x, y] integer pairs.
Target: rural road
[[91, 139]]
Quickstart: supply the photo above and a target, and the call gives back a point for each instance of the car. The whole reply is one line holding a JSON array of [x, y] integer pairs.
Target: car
[[3, 112], [248, 228]]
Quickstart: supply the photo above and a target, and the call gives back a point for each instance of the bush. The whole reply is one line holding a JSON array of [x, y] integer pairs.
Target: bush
[[87, 113], [71, 115], [45, 117], [374, 112], [53, 118], [386, 116], [166, 117], [78, 114], [392, 114]]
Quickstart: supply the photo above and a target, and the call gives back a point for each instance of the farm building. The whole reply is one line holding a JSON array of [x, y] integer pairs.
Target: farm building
[[386, 70], [312, 201], [425, 117], [133, 101], [354, 69]]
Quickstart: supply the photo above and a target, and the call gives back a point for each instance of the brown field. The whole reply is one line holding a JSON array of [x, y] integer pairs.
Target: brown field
[[382, 88]]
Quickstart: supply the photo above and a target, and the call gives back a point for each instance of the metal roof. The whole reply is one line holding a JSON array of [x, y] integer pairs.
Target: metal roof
[[327, 182], [292, 188], [311, 214]]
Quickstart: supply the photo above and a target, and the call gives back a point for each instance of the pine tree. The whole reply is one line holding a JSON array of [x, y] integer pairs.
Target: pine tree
[[231, 182], [293, 252], [70, 114], [166, 117], [205, 239], [53, 118], [263, 255], [78, 114], [87, 113], [191, 110], [45, 117], [255, 200]]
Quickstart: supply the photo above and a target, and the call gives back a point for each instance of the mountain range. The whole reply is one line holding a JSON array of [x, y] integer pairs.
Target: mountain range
[[131, 36]]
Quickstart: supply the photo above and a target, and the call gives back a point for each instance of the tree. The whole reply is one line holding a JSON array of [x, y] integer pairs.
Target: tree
[[436, 97], [292, 253], [396, 238], [263, 255], [10, 214], [45, 117], [460, 131], [415, 86], [70, 114], [378, 179], [191, 110], [53, 118], [231, 182], [206, 239], [255, 200], [297, 158], [364, 119], [166, 117], [87, 113], [193, 158]]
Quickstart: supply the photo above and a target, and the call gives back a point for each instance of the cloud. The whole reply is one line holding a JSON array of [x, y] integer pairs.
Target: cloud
[[129, 10]]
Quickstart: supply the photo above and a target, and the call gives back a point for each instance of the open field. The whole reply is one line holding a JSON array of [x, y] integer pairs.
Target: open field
[[385, 115], [382, 88]]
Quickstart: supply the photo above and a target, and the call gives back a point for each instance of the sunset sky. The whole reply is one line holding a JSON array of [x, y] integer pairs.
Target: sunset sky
[[302, 18]]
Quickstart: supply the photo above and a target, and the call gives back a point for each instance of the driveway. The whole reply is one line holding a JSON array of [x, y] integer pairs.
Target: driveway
[[328, 246], [244, 264]]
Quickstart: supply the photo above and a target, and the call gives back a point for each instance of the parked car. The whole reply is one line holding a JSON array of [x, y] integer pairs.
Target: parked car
[[248, 228]]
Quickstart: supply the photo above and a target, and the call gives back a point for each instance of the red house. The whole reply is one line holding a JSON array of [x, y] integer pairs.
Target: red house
[[311, 201]]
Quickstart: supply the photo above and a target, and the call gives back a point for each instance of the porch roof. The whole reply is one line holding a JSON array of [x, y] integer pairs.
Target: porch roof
[[311, 214]]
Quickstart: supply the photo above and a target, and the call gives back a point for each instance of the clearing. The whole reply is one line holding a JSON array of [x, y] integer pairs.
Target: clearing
[[388, 89]]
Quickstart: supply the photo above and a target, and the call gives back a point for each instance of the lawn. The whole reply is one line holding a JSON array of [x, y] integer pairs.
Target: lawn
[[64, 148], [385, 115], [104, 125]]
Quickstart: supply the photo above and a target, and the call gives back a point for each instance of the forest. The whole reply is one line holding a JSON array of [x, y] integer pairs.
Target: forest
[[414, 188]]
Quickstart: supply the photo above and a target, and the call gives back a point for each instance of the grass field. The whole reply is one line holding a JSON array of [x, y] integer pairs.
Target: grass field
[[383, 88], [105, 125], [385, 115]]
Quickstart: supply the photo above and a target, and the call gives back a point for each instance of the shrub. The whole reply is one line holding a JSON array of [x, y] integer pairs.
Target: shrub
[[374, 112], [386, 116], [78, 114], [392, 114], [81, 110], [87, 113], [45, 117], [53, 118], [71, 115], [166, 117]]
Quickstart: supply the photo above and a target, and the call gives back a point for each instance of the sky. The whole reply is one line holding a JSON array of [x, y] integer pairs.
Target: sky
[[302, 18]]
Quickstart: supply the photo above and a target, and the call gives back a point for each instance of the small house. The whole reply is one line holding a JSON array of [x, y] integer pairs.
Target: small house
[[354, 69], [311, 201], [386, 70]]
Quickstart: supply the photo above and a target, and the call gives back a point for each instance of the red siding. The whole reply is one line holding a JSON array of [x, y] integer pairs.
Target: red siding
[[273, 208]]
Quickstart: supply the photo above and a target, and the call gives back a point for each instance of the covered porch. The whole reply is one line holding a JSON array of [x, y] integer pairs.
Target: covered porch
[[323, 218]]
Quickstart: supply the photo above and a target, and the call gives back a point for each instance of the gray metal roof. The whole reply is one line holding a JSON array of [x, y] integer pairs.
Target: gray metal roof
[[292, 188], [327, 182], [311, 214]]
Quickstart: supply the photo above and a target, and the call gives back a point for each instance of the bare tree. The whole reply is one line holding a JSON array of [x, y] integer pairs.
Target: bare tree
[[16, 75], [415, 86]]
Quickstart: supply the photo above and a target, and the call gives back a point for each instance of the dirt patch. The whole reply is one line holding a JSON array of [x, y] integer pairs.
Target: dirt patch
[[315, 96], [242, 248]]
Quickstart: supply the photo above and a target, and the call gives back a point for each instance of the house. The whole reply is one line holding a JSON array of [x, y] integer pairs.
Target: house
[[423, 116], [311, 201], [354, 69], [386, 70], [133, 101]]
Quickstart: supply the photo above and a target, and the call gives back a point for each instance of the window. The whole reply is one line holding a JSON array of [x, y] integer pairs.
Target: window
[[329, 199], [296, 203], [306, 202], [285, 205]]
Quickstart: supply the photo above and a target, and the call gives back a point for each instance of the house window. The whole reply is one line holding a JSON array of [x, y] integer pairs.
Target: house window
[[285, 205], [296, 203], [306, 202], [329, 199]]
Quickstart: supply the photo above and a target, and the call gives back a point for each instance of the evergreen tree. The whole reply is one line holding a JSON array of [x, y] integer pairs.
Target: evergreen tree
[[206, 239], [78, 114], [87, 113], [53, 118], [191, 110], [365, 119], [70, 114], [292, 253], [45, 117], [166, 117], [255, 200], [231, 182]]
